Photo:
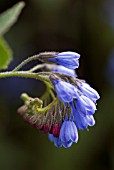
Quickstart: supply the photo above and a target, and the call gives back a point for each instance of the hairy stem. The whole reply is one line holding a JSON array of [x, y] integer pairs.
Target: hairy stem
[[35, 57], [25, 74]]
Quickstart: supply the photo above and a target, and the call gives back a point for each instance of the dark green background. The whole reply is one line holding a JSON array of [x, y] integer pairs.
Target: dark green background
[[60, 25]]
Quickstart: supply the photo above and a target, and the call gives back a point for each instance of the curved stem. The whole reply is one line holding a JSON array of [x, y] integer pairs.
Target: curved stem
[[48, 67], [46, 94], [40, 110], [52, 94], [25, 74], [48, 91], [35, 57], [37, 67]]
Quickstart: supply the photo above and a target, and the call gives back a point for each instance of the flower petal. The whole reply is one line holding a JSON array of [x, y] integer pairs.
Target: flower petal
[[89, 92], [65, 91], [64, 70], [67, 59]]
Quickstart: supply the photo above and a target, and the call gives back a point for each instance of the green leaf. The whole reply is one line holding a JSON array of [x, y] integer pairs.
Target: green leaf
[[5, 54], [9, 17]]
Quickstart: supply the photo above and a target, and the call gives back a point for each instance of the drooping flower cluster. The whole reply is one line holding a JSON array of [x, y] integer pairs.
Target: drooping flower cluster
[[82, 101], [73, 107]]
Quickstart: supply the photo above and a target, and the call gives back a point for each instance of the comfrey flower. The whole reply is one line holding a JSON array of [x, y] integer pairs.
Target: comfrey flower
[[85, 105], [82, 121], [65, 91], [68, 135], [89, 91], [67, 59], [72, 105], [81, 99]]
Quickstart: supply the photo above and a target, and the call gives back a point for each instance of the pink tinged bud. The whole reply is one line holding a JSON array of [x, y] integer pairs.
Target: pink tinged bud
[[56, 130], [46, 128], [26, 117], [19, 112], [48, 119], [32, 121], [39, 124]]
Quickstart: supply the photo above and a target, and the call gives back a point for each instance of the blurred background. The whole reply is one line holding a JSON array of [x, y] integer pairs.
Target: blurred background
[[86, 27]]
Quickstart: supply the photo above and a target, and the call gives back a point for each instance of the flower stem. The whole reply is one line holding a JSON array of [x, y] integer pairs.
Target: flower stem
[[40, 110], [35, 57], [25, 74], [52, 94], [40, 66], [47, 67]]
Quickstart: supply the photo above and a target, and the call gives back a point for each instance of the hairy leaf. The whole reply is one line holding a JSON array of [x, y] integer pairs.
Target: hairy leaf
[[9, 17]]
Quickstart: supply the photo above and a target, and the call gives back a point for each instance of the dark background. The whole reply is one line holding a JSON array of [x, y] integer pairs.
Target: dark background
[[86, 27]]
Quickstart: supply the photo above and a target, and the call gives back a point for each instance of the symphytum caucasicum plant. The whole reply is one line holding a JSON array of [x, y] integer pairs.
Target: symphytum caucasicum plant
[[71, 102]]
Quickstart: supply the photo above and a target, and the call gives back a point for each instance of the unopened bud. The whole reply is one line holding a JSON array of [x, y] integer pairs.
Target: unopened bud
[[26, 117], [46, 128], [56, 130]]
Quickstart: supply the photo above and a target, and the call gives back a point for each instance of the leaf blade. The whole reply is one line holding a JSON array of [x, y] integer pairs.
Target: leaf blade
[[5, 54], [9, 17]]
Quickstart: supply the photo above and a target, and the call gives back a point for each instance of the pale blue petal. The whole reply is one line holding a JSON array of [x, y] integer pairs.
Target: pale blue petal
[[64, 70]]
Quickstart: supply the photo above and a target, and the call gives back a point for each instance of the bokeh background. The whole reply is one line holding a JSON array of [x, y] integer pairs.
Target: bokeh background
[[86, 27]]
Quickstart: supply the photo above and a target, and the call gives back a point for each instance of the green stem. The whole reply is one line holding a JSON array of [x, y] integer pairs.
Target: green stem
[[49, 88], [46, 94], [35, 57], [24, 74], [37, 67], [52, 94], [40, 110]]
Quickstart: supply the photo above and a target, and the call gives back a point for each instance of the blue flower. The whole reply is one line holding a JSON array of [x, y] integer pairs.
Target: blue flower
[[89, 91], [85, 105], [82, 122], [68, 135], [68, 132], [79, 100], [56, 140], [67, 59], [65, 91], [64, 70]]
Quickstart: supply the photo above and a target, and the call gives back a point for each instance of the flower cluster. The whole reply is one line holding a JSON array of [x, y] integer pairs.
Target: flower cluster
[[82, 102], [46, 121], [73, 107]]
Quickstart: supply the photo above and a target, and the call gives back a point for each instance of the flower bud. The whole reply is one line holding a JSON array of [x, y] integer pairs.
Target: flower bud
[[56, 130], [46, 128], [26, 117]]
